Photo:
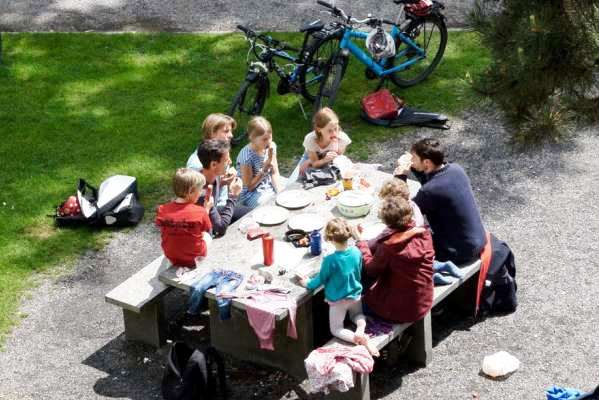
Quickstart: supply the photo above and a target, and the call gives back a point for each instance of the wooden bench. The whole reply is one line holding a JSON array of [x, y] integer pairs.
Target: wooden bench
[[420, 348], [140, 297]]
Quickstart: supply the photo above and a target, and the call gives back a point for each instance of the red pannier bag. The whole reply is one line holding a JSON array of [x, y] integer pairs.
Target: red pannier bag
[[421, 8], [381, 104]]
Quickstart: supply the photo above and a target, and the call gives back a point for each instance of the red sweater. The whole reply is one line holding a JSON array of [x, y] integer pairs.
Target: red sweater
[[403, 267], [181, 228]]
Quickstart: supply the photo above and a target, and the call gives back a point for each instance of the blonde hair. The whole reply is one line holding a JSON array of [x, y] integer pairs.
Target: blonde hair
[[337, 230], [258, 126], [214, 122], [185, 180], [396, 212], [395, 188], [322, 119]]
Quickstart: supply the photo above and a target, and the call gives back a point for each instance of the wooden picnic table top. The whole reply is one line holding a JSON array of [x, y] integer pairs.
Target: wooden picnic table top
[[234, 252]]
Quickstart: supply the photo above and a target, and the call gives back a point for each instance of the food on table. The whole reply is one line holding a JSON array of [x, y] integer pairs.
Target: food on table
[[332, 192]]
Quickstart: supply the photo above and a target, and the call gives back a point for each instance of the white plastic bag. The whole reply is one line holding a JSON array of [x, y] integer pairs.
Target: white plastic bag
[[500, 364]]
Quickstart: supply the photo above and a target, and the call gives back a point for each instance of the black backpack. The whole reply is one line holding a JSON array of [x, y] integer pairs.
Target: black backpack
[[326, 175], [499, 293], [115, 203], [410, 116], [190, 373]]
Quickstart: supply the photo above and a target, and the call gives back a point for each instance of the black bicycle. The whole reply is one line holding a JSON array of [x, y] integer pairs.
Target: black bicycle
[[301, 75]]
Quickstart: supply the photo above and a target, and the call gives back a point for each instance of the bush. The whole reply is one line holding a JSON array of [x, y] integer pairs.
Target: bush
[[545, 57]]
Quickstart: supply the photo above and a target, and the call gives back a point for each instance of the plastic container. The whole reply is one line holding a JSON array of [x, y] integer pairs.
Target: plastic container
[[315, 243]]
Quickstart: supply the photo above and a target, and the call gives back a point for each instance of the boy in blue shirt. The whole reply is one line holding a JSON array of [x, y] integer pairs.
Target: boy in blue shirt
[[340, 275]]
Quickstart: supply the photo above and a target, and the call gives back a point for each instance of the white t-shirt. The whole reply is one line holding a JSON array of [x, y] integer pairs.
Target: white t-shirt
[[338, 145]]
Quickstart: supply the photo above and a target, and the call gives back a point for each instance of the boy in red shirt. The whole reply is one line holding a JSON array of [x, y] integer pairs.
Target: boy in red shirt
[[184, 225]]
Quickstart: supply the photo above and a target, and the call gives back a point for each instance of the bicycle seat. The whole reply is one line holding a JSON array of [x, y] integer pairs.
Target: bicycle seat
[[312, 26]]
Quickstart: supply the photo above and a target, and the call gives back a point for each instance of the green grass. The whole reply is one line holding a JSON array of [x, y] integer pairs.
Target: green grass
[[94, 105]]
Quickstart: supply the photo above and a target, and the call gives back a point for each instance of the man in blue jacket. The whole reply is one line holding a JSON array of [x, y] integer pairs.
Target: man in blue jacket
[[447, 200]]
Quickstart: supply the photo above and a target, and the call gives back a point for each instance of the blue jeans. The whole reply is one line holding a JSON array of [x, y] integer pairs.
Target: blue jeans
[[449, 268], [223, 281]]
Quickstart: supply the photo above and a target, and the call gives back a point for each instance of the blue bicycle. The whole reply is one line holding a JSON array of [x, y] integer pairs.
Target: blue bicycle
[[419, 39]]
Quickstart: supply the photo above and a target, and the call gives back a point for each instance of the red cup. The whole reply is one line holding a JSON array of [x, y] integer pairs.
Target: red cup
[[268, 249]]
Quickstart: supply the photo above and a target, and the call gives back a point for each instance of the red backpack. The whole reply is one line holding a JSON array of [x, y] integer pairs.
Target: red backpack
[[420, 9], [381, 104]]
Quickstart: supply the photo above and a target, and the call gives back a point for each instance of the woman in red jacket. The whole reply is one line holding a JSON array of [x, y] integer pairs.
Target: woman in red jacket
[[400, 260]]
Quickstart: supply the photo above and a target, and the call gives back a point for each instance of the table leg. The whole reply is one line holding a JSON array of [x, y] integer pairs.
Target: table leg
[[237, 338]]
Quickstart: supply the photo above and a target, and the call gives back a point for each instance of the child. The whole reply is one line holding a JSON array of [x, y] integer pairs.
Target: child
[[216, 126], [401, 262], [398, 188], [184, 225], [257, 164], [325, 142], [340, 274], [220, 127]]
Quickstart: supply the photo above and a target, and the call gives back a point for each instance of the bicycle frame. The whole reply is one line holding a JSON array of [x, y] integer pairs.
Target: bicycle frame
[[378, 67]]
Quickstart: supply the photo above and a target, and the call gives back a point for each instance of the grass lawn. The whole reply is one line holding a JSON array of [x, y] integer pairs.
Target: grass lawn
[[93, 105]]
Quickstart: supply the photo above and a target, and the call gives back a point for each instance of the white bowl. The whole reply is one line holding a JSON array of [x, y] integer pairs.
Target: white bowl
[[354, 203]]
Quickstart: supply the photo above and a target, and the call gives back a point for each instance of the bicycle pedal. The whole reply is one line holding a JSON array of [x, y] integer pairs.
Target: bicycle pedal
[[370, 74]]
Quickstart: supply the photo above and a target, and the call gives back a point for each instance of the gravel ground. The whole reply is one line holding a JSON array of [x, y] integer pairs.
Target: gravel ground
[[184, 15], [542, 202]]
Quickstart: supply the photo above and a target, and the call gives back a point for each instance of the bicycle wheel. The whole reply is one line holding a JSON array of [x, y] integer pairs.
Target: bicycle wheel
[[248, 102], [318, 53], [329, 86], [430, 34]]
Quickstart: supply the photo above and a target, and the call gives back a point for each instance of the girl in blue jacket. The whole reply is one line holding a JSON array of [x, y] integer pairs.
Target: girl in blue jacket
[[340, 275]]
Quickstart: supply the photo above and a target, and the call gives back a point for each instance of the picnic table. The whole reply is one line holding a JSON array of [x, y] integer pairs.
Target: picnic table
[[234, 252]]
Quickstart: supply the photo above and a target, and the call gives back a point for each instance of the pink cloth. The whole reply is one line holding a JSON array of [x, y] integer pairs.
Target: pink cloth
[[260, 308], [331, 367]]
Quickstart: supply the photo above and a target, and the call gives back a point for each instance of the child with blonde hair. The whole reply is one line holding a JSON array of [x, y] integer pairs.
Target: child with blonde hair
[[325, 142], [220, 127], [340, 275], [215, 126], [257, 164], [185, 225]]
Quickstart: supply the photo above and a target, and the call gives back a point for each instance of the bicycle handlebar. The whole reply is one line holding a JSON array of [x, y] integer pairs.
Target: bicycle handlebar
[[336, 11], [325, 4], [340, 13]]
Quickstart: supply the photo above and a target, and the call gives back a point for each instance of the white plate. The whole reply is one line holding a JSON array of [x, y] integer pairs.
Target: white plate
[[294, 199], [270, 215], [306, 222]]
